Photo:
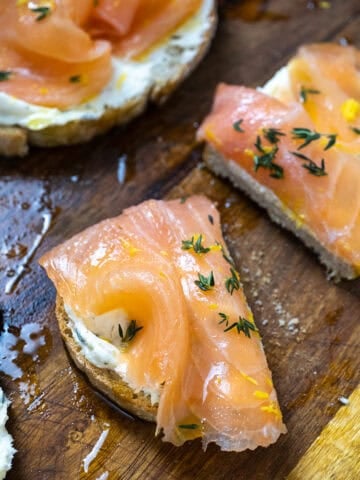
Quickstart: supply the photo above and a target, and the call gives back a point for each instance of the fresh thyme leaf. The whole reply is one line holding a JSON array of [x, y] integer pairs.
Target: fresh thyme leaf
[[229, 260], [75, 79], [355, 130], [5, 75], [232, 283], [266, 160], [305, 134], [189, 426], [314, 169], [236, 126], [205, 283], [305, 91], [224, 318], [244, 326], [130, 333], [211, 219], [310, 135], [311, 166], [183, 199], [273, 134], [196, 245], [42, 11], [331, 142]]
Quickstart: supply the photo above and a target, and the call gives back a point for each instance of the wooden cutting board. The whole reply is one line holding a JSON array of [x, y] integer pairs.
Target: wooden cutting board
[[310, 326]]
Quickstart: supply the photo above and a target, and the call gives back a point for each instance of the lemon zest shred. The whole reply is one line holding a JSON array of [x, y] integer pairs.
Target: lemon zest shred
[[212, 137], [261, 395], [120, 80], [250, 153], [213, 306], [250, 379], [350, 109], [272, 408]]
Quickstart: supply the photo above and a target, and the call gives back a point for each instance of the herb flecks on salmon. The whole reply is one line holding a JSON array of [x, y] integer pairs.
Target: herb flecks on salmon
[[316, 184], [209, 377]]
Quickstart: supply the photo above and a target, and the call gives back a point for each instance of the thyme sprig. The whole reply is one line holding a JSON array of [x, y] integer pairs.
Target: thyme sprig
[[304, 92], [224, 318], [232, 283], [237, 127], [189, 426], [43, 12], [355, 130], [311, 166], [266, 159], [75, 79], [311, 135], [196, 245], [5, 75], [130, 333], [273, 134], [205, 283], [243, 325]]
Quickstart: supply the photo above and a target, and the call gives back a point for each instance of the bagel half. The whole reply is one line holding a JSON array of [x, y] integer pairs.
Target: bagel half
[[152, 78]]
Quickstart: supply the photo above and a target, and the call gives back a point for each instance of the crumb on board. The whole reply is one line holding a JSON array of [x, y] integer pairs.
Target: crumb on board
[[343, 400]]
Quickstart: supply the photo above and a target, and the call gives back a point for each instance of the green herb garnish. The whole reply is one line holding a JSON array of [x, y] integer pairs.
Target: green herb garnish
[[189, 426], [43, 12], [304, 92], [355, 130], [311, 166], [305, 134], [5, 75], [232, 283], [244, 326], [183, 199], [266, 160], [211, 219], [205, 283], [224, 318], [75, 79], [273, 134], [332, 140], [310, 136], [236, 126], [130, 333], [227, 258], [195, 245]]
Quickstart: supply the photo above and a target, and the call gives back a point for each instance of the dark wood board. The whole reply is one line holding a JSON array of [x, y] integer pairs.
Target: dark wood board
[[56, 416]]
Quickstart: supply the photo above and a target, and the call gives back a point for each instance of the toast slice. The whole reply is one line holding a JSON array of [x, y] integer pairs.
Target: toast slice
[[156, 317], [293, 147]]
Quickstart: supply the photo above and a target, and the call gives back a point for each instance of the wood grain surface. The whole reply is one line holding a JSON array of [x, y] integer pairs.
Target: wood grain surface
[[310, 326]]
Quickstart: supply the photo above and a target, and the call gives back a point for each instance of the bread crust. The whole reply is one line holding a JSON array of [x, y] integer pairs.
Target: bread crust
[[277, 211], [15, 141], [105, 380]]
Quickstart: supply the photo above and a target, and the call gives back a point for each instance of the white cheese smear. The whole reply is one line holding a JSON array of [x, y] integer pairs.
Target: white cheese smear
[[7, 450]]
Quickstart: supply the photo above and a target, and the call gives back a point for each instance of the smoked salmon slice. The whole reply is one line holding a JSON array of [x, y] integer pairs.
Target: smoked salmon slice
[[58, 53], [162, 272], [302, 151]]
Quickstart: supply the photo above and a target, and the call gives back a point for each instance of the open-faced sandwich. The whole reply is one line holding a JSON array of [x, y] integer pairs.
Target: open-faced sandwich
[[71, 70], [294, 147], [7, 451], [151, 308]]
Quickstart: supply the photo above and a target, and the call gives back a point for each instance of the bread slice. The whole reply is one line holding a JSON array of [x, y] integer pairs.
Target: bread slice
[[150, 79], [278, 212], [105, 380]]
